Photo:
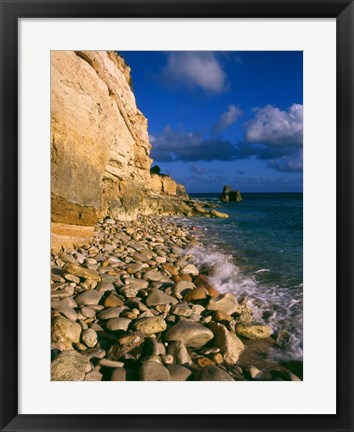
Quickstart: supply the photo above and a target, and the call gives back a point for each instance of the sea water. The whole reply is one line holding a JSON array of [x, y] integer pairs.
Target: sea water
[[258, 253]]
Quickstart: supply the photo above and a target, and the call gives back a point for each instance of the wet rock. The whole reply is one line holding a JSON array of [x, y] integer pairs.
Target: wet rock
[[230, 345], [226, 303], [253, 331], [149, 326], [191, 334], [254, 372], [69, 366], [190, 269], [221, 316], [172, 270], [181, 288], [202, 281], [152, 371], [195, 294]]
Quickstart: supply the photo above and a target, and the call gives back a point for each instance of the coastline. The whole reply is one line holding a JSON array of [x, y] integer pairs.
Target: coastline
[[134, 305]]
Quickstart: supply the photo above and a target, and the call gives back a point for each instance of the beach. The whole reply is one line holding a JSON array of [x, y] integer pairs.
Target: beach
[[137, 304]]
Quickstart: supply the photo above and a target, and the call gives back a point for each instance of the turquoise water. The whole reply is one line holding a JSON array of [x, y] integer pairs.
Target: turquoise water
[[258, 252]]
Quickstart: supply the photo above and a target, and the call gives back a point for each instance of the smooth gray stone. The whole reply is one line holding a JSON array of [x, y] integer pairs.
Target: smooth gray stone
[[115, 324], [178, 372], [192, 334], [87, 298], [213, 373], [153, 371]]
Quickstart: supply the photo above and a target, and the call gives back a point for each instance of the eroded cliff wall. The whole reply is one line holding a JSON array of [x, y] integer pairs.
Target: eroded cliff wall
[[100, 147]]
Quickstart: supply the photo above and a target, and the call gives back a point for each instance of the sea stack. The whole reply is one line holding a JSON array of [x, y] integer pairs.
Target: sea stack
[[228, 194]]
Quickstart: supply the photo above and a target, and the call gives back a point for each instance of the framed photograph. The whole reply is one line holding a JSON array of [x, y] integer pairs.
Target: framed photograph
[[179, 174]]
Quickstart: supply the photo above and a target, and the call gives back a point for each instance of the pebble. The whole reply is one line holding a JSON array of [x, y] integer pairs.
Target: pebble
[[115, 324], [190, 269], [226, 303], [178, 372], [254, 372], [67, 311], [93, 376], [129, 291], [173, 271], [204, 361], [133, 276], [65, 330], [110, 363], [230, 345], [137, 283], [68, 258], [213, 373], [89, 338], [91, 353], [83, 272], [125, 344], [87, 298], [191, 334], [71, 278], [109, 313], [134, 268], [157, 297], [152, 275], [221, 316], [253, 331], [69, 366], [105, 286], [152, 371], [149, 326], [182, 309], [88, 312], [195, 294]]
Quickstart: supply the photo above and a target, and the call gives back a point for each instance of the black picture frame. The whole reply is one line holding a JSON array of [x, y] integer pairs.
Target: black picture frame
[[11, 11]]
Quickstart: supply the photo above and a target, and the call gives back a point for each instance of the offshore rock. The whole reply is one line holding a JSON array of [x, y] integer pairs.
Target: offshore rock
[[228, 194]]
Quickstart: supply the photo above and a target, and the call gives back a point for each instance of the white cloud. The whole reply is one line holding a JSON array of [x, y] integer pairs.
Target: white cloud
[[228, 118], [152, 138], [195, 69], [273, 126]]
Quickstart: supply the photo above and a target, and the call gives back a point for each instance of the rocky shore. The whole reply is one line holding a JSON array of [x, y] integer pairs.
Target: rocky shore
[[132, 305]]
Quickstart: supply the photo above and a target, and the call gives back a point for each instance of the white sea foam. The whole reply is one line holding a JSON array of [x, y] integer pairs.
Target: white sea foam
[[281, 308]]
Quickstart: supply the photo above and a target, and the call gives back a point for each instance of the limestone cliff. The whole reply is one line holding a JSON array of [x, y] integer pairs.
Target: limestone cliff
[[100, 150]]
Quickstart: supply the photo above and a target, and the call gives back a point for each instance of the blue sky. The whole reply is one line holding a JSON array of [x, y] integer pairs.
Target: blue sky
[[219, 118]]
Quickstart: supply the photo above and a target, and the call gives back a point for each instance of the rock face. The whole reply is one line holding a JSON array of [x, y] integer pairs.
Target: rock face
[[230, 195], [100, 149]]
